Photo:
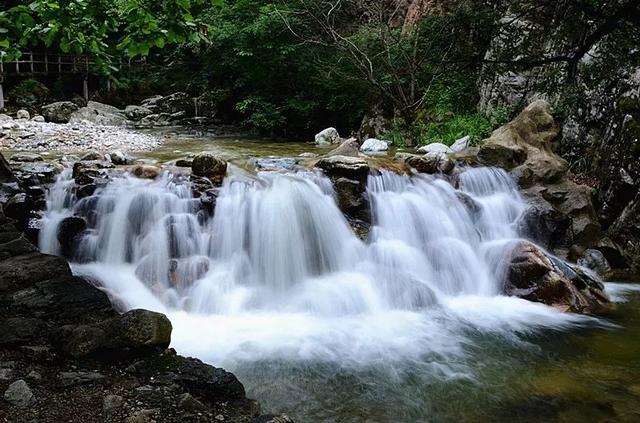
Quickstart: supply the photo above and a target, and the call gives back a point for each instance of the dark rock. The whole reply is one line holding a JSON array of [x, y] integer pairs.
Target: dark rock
[[20, 330], [92, 156], [351, 197], [536, 276], [19, 394], [67, 379], [209, 166], [6, 175], [26, 157], [59, 112], [184, 162], [19, 208], [69, 231]]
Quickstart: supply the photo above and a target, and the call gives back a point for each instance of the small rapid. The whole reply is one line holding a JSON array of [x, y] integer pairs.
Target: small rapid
[[276, 273]]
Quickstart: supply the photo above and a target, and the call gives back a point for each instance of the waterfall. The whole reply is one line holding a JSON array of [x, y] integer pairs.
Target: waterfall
[[277, 270]]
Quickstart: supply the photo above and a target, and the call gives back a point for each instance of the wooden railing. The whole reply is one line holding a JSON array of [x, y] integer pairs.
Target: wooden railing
[[46, 63]]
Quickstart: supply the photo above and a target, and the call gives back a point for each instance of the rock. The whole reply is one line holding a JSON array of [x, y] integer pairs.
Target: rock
[[209, 383], [439, 161], [327, 137], [537, 276], [350, 196], [309, 155], [594, 260], [99, 114], [374, 124], [6, 175], [136, 112], [112, 404], [34, 376], [19, 208], [435, 147], [187, 402], [38, 118], [135, 333], [354, 168], [374, 145], [146, 171], [92, 156], [173, 103], [526, 140], [461, 144], [20, 330], [184, 162], [209, 166], [119, 158], [68, 379], [19, 394], [6, 374], [23, 114], [272, 418], [348, 148], [26, 157], [275, 163], [141, 416], [69, 231], [156, 119], [59, 112]]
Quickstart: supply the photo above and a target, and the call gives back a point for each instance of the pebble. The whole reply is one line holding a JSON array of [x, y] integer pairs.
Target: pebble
[[35, 135]]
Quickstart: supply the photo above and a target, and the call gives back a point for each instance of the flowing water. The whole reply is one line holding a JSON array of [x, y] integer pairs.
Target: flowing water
[[408, 325]]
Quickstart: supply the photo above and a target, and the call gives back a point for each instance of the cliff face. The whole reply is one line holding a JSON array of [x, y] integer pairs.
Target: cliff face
[[588, 68]]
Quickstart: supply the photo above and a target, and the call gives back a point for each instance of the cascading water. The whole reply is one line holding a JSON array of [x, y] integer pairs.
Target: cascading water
[[277, 273]]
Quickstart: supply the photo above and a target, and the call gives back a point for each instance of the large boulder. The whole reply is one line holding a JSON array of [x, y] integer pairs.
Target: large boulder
[[327, 137], [99, 114], [349, 177], [209, 166], [526, 140], [348, 147], [374, 145], [59, 112], [136, 112], [537, 276], [345, 166], [173, 103]]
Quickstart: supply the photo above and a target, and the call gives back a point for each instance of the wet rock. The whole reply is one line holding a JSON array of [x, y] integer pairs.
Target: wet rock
[[351, 196], [19, 394], [146, 171], [595, 260], [92, 156], [435, 147], [23, 114], [439, 162], [537, 276], [59, 112], [118, 158], [19, 208], [353, 168], [373, 145], [209, 166], [184, 162], [348, 148], [26, 157], [207, 382], [69, 231], [327, 137]]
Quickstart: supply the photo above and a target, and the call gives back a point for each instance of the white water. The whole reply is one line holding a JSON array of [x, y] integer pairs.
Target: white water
[[278, 274]]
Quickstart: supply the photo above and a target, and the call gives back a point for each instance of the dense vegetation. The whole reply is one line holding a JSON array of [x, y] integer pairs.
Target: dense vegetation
[[292, 67]]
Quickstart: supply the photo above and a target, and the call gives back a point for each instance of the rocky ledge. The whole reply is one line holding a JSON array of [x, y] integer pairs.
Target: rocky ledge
[[66, 355]]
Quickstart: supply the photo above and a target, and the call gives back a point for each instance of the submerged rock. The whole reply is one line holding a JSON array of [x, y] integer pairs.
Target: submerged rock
[[537, 276]]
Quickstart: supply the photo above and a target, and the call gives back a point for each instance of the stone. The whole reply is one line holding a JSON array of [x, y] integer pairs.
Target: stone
[[136, 112], [275, 163], [23, 114], [6, 174], [348, 147], [595, 261], [6, 374], [141, 416], [19, 394], [156, 119], [99, 114], [69, 231], [118, 158], [34, 376], [38, 118], [59, 112], [209, 166], [26, 157], [20, 330], [373, 145], [173, 103], [328, 136], [146, 171], [91, 156], [437, 162], [111, 404], [187, 402], [461, 144], [537, 276], [188, 162], [435, 147], [344, 166], [68, 379]]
